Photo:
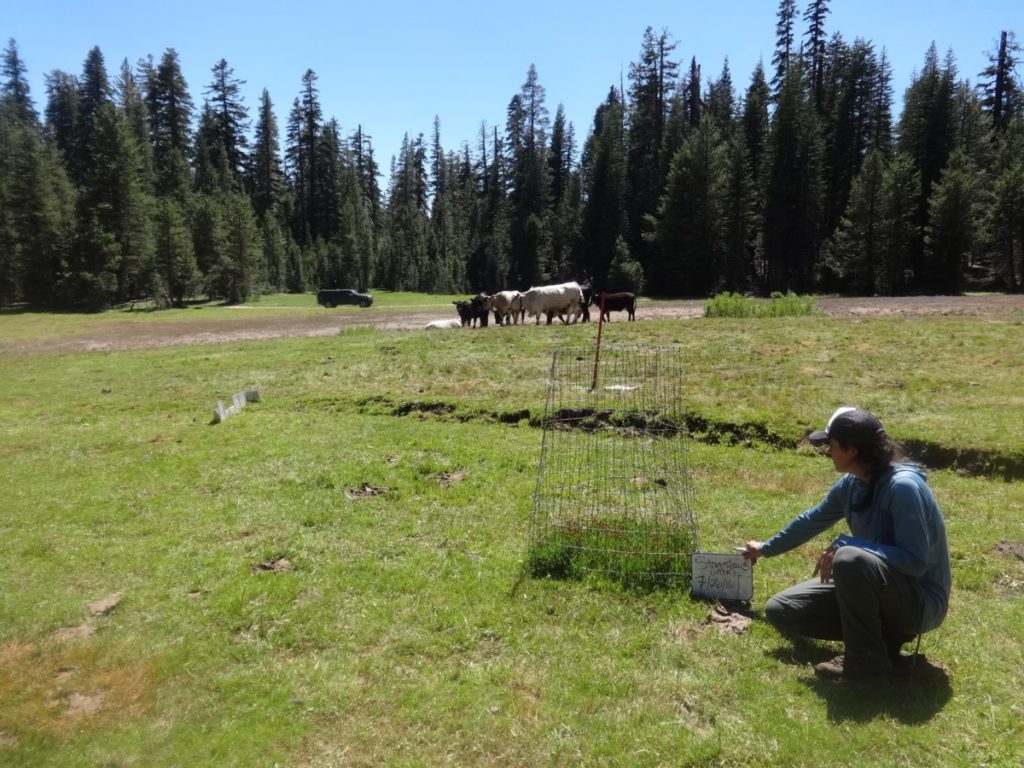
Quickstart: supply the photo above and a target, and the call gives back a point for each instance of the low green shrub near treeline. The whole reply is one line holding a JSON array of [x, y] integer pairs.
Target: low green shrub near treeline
[[778, 305], [336, 574]]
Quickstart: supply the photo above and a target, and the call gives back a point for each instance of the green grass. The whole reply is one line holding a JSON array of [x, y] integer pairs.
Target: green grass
[[404, 632], [620, 550], [779, 305]]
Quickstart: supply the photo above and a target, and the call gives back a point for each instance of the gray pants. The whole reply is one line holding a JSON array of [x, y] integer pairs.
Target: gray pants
[[872, 608]]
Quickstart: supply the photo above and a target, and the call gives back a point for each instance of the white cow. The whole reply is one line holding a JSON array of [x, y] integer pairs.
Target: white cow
[[564, 299], [507, 307], [448, 322]]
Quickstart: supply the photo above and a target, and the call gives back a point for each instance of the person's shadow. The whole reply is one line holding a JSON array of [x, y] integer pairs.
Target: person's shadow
[[913, 694]]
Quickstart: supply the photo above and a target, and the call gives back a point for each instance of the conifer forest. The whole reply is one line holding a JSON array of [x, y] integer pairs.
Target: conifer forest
[[807, 175]]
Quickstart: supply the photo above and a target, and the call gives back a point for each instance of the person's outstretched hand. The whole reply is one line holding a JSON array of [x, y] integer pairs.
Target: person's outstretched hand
[[753, 551]]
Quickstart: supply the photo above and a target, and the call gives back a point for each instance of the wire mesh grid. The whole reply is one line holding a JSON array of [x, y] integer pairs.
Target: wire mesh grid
[[614, 489]]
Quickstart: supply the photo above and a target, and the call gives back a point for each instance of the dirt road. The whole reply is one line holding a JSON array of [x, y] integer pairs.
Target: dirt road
[[251, 326]]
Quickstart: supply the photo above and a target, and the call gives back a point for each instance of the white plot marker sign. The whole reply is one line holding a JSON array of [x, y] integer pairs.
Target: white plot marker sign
[[721, 576]]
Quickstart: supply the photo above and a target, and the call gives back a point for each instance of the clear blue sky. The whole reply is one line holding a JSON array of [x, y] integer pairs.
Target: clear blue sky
[[392, 66]]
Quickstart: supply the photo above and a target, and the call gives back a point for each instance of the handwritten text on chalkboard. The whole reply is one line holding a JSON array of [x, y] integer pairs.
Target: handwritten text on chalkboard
[[721, 576]]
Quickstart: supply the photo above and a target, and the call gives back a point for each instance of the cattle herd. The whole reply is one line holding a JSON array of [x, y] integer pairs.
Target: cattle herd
[[570, 302]]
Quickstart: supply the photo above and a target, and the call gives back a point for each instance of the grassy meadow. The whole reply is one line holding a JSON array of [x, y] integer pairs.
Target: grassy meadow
[[334, 576]]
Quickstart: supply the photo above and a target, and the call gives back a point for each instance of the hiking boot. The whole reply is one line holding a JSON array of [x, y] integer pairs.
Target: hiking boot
[[832, 668], [837, 669]]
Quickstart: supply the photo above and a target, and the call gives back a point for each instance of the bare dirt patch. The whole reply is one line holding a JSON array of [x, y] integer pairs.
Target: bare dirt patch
[[1010, 549]]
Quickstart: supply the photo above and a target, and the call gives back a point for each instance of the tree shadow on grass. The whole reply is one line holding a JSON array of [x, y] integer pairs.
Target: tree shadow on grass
[[911, 696]]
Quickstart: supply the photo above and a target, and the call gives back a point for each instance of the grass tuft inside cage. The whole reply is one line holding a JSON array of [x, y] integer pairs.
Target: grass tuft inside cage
[[622, 551]]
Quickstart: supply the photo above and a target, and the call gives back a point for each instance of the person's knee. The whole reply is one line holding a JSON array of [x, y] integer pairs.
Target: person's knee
[[850, 563], [777, 613]]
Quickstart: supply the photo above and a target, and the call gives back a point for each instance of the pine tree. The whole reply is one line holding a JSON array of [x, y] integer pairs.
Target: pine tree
[[785, 42], [691, 233], [792, 216], [241, 271], [849, 128], [721, 101], [61, 113], [653, 79], [1004, 219], [170, 117], [1002, 94], [814, 52], [901, 187], [604, 184], [230, 118], [855, 255], [927, 137], [266, 180], [529, 189], [15, 88], [566, 201], [303, 158], [754, 124], [738, 220], [951, 235], [881, 107], [175, 263], [206, 224], [44, 221]]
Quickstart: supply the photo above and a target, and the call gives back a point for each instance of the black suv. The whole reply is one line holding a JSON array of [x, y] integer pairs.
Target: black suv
[[332, 297]]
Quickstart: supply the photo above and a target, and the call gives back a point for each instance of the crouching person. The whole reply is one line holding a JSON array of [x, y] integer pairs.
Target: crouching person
[[887, 582]]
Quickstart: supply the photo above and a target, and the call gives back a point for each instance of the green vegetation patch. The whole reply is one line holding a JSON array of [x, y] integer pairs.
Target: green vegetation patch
[[779, 305], [623, 550]]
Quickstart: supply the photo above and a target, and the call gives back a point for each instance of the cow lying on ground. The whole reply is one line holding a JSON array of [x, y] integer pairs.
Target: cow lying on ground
[[563, 300], [507, 307], [448, 322], [617, 302]]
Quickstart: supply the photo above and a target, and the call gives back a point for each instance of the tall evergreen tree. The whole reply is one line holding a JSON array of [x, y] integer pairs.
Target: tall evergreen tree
[[755, 123], [43, 221], [303, 155], [61, 113], [785, 44], [847, 112], [951, 234], [739, 219], [855, 254], [1000, 84], [230, 121], [529, 190], [15, 89], [175, 261], [653, 79], [604, 190], [927, 136], [792, 217], [170, 117], [721, 101], [814, 51], [691, 232], [565, 200], [266, 180], [1004, 219]]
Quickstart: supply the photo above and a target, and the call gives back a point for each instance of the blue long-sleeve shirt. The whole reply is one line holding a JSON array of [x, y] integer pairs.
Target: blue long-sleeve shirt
[[896, 518]]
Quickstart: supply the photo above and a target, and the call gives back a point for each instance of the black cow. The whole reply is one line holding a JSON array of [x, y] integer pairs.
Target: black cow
[[617, 302], [473, 311]]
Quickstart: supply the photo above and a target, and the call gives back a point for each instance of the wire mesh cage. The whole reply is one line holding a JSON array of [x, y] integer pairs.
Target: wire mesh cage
[[614, 490]]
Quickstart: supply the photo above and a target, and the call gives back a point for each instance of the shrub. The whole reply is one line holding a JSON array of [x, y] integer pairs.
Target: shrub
[[779, 305]]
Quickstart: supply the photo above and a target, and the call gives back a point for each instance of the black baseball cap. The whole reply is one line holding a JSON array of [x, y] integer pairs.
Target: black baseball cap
[[849, 425]]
